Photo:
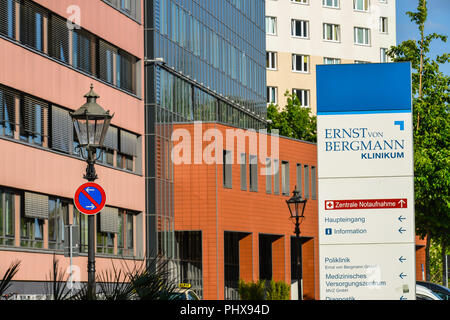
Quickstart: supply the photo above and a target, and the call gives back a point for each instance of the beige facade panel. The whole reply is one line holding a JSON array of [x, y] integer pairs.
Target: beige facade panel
[[325, 32]]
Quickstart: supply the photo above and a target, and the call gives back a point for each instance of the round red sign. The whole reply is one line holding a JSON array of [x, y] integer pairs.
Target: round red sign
[[90, 198]]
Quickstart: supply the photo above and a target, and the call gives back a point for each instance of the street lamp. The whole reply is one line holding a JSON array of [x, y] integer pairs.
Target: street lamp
[[91, 123], [296, 205]]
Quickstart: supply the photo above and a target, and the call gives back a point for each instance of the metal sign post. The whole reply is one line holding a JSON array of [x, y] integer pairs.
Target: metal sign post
[[72, 249]]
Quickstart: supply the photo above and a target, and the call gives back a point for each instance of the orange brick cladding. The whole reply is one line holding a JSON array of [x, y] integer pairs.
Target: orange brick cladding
[[201, 202]]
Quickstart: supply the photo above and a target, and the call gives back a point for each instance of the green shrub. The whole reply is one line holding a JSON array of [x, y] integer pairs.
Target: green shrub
[[279, 290], [252, 290], [259, 290]]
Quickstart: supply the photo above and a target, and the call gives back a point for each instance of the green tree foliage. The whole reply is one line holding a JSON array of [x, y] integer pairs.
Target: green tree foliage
[[294, 121], [431, 131], [437, 264]]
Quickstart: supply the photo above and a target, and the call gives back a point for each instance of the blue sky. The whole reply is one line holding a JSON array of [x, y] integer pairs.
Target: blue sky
[[438, 22]]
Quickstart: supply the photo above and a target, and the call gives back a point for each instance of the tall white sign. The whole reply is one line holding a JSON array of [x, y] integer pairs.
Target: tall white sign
[[366, 183]]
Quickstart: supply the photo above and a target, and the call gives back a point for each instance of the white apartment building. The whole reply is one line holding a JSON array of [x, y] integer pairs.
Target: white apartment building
[[301, 34]]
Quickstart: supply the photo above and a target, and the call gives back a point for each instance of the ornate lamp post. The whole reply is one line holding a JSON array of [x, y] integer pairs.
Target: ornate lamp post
[[296, 205], [91, 123]]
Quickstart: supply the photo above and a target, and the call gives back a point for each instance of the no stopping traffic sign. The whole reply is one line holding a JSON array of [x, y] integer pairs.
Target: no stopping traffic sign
[[90, 198]]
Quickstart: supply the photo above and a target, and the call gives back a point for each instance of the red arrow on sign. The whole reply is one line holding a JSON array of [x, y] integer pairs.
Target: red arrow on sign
[[366, 204]]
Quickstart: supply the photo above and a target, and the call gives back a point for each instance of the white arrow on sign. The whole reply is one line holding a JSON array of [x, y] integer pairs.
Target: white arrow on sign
[[401, 202], [89, 190], [91, 207]]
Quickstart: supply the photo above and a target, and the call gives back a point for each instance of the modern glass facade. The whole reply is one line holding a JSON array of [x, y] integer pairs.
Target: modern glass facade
[[218, 44], [205, 61]]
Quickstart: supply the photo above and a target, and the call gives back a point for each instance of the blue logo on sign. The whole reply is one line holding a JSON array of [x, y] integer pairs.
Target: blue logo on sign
[[328, 231], [401, 124], [90, 198]]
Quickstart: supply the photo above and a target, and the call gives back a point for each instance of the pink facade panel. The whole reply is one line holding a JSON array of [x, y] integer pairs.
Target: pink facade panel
[[110, 25], [46, 79]]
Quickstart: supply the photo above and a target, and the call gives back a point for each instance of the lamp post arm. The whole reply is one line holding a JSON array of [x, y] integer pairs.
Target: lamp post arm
[[91, 175]]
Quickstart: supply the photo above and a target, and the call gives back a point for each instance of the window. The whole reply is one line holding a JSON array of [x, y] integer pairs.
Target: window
[[361, 62], [268, 176], [285, 178], [300, 63], [6, 218], [331, 32], [303, 96], [81, 220], [271, 25], [299, 178], [124, 72], [300, 1], [266, 256], [83, 51], [271, 60], [253, 170], [31, 232], [111, 144], [227, 169], [130, 232], [127, 150], [383, 55], [34, 212], [58, 217], [331, 61], [7, 112], [107, 53], [59, 39], [129, 7], [188, 248], [313, 183], [7, 18], [362, 36], [231, 264], [243, 171], [299, 28], [116, 66], [330, 3], [105, 242], [272, 95], [125, 243], [107, 227], [383, 25], [276, 176], [51, 126], [32, 117], [62, 130], [123, 161], [107, 157], [42, 30], [361, 5], [125, 5], [306, 179]]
